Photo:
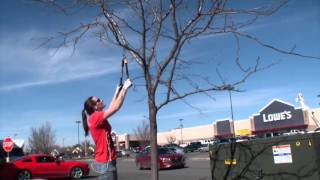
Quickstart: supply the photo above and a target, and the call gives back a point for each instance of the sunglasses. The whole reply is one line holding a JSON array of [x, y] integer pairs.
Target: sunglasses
[[99, 100]]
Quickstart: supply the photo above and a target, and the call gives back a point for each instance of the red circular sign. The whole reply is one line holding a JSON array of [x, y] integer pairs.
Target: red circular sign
[[7, 144]]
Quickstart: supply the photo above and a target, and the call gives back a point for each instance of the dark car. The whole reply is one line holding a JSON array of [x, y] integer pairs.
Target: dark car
[[166, 159], [194, 146], [47, 166], [174, 147]]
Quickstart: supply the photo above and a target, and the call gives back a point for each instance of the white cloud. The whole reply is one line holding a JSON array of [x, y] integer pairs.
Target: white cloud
[[24, 66]]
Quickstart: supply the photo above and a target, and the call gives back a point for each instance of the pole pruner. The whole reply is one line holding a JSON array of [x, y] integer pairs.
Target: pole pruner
[[124, 64]]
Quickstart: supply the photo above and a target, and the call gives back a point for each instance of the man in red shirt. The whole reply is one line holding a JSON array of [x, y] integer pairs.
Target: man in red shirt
[[100, 130]]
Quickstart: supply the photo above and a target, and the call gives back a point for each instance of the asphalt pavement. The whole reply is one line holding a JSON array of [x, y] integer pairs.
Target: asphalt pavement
[[197, 168]]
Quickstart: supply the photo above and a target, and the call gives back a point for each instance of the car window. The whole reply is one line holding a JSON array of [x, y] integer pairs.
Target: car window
[[146, 150], [164, 151], [45, 159]]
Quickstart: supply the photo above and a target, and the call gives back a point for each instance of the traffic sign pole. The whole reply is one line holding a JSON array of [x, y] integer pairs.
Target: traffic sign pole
[[8, 146], [8, 157]]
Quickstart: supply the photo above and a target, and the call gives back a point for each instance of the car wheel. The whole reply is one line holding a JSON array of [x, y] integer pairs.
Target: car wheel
[[24, 175], [76, 173], [183, 165]]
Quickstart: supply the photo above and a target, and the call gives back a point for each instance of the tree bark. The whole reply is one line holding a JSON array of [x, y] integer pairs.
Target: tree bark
[[154, 142]]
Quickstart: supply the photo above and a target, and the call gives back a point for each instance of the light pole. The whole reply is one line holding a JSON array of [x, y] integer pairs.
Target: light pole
[[85, 147], [181, 126], [229, 88], [78, 122]]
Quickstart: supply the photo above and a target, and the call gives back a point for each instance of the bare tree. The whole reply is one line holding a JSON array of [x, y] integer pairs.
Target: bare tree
[[171, 139], [42, 139], [142, 27], [143, 133]]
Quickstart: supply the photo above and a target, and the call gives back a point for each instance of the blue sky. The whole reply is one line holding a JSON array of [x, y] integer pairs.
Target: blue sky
[[42, 84]]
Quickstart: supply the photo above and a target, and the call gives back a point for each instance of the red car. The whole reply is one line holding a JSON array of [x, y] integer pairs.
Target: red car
[[166, 159], [8, 171], [47, 166]]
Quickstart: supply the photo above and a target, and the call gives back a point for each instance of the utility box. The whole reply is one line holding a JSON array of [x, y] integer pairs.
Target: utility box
[[283, 157]]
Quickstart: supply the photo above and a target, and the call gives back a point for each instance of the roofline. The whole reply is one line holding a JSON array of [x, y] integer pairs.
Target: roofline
[[220, 120], [273, 100], [197, 126]]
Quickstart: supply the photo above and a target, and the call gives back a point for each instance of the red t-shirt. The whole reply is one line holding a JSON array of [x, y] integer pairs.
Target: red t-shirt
[[100, 130]]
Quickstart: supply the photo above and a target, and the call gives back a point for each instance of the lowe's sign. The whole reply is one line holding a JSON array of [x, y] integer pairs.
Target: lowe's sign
[[278, 115]]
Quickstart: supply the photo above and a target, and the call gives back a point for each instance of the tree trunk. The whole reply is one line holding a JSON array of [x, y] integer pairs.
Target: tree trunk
[[153, 137]]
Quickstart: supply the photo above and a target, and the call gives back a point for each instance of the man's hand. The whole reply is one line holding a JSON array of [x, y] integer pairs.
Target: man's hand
[[127, 84]]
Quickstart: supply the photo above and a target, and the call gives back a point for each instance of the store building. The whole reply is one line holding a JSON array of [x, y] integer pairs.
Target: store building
[[279, 117], [276, 118]]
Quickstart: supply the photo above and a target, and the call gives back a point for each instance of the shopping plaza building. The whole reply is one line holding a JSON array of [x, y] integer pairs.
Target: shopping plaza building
[[276, 118]]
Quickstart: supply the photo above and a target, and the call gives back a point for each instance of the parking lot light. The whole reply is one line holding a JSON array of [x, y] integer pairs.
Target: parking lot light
[[181, 126]]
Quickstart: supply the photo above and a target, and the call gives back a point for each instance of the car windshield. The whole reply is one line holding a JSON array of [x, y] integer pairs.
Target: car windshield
[[164, 151]]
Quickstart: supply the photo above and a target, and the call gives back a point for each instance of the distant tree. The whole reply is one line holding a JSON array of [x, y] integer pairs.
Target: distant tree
[[143, 133], [42, 139], [85, 146], [171, 139]]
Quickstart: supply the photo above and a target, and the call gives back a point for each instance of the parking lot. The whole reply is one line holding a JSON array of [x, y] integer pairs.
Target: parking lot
[[197, 168]]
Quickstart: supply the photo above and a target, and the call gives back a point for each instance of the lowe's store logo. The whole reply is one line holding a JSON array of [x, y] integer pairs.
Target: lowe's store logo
[[277, 116]]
